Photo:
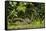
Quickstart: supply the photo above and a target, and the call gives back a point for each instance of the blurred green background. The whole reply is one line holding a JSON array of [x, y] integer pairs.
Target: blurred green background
[[24, 15]]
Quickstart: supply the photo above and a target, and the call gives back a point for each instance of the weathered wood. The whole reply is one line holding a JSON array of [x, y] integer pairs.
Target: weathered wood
[[26, 20], [18, 19]]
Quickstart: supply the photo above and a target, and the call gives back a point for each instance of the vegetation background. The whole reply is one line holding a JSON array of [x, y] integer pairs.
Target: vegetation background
[[24, 15]]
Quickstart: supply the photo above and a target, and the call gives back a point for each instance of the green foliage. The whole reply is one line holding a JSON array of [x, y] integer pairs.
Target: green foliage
[[22, 6], [35, 12]]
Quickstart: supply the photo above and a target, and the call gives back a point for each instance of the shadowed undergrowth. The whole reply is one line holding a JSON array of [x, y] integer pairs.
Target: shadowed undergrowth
[[21, 25]]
